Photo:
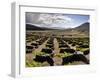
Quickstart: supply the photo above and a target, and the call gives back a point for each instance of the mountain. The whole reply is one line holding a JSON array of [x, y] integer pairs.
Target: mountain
[[33, 27], [83, 27]]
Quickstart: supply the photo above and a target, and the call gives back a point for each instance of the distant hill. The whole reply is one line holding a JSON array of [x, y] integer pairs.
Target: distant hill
[[83, 28], [33, 27]]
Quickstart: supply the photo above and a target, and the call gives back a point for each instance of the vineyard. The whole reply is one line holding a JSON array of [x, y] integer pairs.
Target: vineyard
[[55, 48]]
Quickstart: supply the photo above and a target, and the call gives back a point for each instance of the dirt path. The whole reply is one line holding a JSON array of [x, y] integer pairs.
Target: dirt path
[[56, 46], [72, 47], [29, 57], [41, 46], [57, 60]]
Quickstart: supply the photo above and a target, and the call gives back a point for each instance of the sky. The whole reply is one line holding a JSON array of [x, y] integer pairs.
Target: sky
[[56, 20]]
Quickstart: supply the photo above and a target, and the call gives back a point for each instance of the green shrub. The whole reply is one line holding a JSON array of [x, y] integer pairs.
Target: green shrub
[[34, 64], [82, 49], [63, 55], [28, 64], [39, 53]]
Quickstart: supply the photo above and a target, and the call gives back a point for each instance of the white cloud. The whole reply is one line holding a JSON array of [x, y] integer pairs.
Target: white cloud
[[49, 20], [54, 20]]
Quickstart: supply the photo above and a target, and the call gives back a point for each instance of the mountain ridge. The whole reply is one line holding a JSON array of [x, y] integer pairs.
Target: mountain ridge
[[82, 28]]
